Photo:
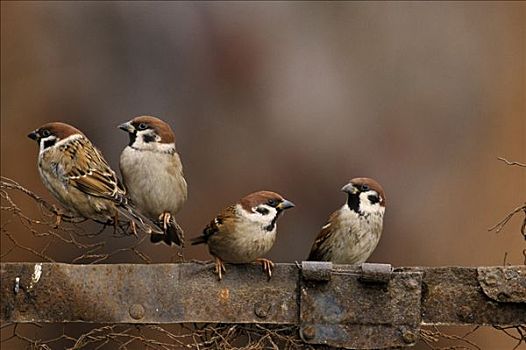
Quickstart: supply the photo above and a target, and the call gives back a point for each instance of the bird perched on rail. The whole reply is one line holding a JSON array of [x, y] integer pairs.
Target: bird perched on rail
[[244, 232], [153, 175], [353, 231], [79, 177]]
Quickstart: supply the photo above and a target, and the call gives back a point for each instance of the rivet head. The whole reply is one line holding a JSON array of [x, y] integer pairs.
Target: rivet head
[[136, 311], [409, 337], [309, 332]]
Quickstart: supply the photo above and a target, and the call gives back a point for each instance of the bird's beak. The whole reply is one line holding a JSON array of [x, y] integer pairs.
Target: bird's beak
[[127, 127], [285, 205], [33, 135], [349, 188]]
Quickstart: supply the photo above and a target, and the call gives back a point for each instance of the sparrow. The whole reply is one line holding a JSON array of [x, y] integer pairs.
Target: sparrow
[[245, 231], [153, 175], [353, 231], [78, 176]]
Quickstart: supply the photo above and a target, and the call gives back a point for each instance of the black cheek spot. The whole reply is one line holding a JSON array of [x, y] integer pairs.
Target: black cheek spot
[[373, 199], [263, 211], [49, 143], [148, 138]]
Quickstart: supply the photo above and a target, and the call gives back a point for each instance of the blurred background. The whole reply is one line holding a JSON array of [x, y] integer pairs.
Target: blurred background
[[297, 98]]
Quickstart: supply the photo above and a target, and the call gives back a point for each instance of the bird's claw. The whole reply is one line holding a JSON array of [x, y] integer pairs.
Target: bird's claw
[[219, 268], [165, 219], [267, 266]]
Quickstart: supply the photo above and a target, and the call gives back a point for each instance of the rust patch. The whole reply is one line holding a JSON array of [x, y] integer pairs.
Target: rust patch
[[224, 294]]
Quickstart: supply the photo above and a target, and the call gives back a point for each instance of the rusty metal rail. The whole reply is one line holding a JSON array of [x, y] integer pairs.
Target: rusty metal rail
[[367, 306]]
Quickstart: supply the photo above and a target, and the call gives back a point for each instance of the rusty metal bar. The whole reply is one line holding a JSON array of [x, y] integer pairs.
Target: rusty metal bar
[[190, 292], [137, 293], [466, 295]]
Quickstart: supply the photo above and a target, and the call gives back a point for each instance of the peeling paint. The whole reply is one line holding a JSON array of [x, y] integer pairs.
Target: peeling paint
[[35, 277], [17, 285]]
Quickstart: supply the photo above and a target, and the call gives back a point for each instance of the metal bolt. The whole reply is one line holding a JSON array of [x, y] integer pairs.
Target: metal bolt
[[136, 311], [309, 332], [409, 337], [261, 310]]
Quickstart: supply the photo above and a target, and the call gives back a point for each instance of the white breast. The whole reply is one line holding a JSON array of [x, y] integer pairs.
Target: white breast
[[154, 180], [359, 236], [249, 242]]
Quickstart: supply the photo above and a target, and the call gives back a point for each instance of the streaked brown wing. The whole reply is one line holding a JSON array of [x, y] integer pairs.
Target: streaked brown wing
[[90, 173], [319, 250], [219, 224]]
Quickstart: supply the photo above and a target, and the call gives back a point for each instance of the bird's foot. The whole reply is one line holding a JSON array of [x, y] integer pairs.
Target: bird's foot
[[267, 266], [219, 268], [165, 219]]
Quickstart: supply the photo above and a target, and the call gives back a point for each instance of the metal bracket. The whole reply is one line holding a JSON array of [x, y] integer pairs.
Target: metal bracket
[[506, 284], [348, 311]]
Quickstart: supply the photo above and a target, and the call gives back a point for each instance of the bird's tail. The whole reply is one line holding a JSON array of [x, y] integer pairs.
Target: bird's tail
[[141, 222], [199, 240], [173, 234]]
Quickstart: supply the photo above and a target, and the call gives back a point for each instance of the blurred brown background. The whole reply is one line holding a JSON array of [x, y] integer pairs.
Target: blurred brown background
[[296, 98]]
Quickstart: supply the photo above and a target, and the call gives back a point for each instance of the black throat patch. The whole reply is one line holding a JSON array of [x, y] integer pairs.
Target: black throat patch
[[353, 201], [133, 136], [273, 222]]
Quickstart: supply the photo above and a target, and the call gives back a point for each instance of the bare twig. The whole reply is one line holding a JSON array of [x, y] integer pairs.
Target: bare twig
[[430, 337], [54, 226], [500, 225], [511, 163], [207, 337]]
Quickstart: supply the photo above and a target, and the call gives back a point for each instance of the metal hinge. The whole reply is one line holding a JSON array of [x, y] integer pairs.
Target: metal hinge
[[366, 306]]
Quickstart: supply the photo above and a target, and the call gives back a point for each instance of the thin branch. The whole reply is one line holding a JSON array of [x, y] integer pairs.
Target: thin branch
[[511, 163], [500, 225]]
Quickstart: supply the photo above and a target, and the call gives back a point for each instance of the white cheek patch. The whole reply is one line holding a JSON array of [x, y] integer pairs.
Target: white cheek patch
[[47, 142], [155, 145], [149, 133], [257, 217], [365, 204], [58, 142]]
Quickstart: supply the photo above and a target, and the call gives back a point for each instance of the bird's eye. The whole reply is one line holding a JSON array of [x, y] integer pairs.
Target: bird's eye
[[263, 211], [272, 202], [142, 126], [365, 188], [45, 133]]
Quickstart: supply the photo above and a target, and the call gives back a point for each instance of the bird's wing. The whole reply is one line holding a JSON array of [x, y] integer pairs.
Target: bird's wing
[[219, 224], [89, 172], [319, 250]]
